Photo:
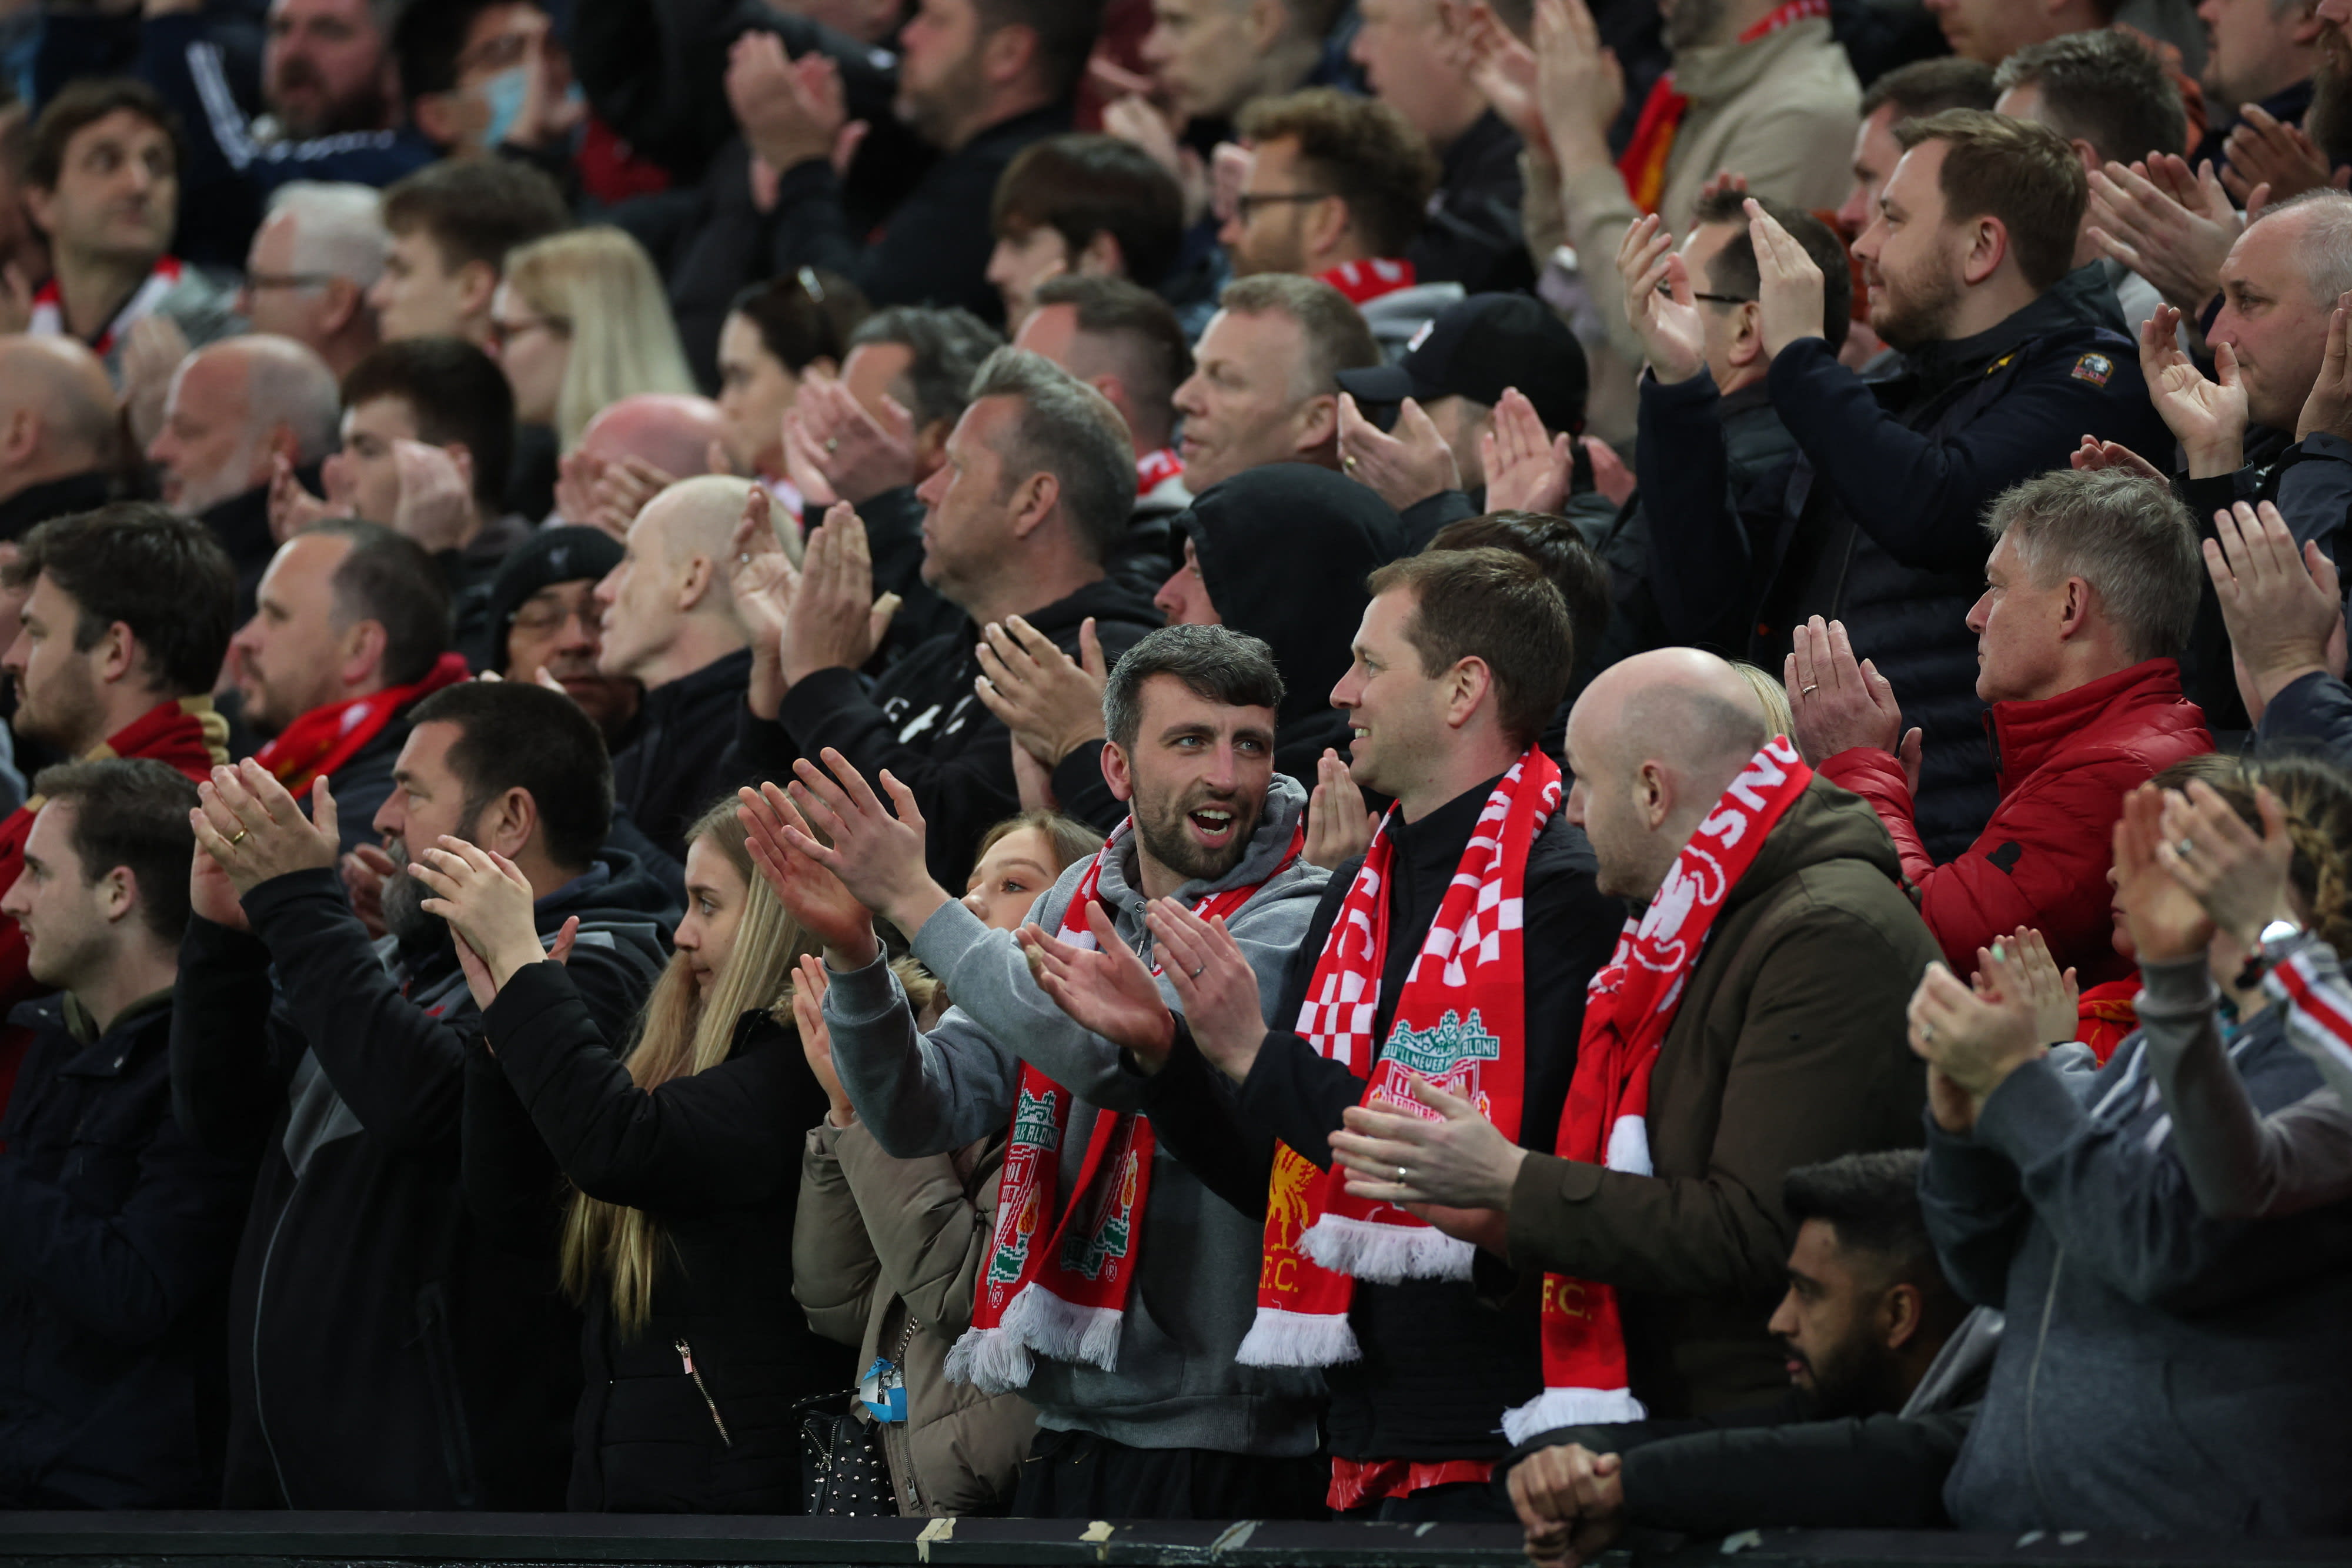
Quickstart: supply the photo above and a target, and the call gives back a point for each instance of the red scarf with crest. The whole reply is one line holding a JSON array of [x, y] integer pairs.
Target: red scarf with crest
[[326, 737]]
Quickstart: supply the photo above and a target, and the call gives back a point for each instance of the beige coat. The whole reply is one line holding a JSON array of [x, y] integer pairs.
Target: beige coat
[[1781, 110], [877, 1238]]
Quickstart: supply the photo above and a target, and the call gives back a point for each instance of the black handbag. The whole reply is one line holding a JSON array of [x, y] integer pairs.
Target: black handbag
[[845, 1469]]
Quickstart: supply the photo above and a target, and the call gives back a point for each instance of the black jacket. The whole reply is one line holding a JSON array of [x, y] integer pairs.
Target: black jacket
[[923, 722], [1877, 518], [714, 1160], [676, 767], [2314, 715], [115, 1239], [382, 1354], [1298, 584], [894, 535], [1441, 1363], [1473, 235], [241, 523], [36, 504], [934, 248]]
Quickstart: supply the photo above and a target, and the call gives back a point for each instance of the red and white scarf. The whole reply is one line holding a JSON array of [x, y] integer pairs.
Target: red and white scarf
[[1642, 164], [323, 739], [1154, 469], [1628, 1008], [49, 317], [1363, 281], [1057, 1287], [1460, 1022]]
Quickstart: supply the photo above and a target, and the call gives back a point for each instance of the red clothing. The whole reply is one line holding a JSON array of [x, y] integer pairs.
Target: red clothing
[[2105, 1016], [187, 735], [2065, 764], [1356, 1482]]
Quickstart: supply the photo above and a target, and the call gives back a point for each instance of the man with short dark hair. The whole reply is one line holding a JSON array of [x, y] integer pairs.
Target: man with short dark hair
[[451, 224], [116, 1229], [1124, 341], [327, 83], [1913, 91], [1457, 666], [2092, 587], [1264, 385], [384, 1352], [103, 182], [1338, 188], [126, 614], [978, 80], [1151, 1418], [1875, 520], [1088, 205], [1886, 1367], [1020, 520], [351, 630]]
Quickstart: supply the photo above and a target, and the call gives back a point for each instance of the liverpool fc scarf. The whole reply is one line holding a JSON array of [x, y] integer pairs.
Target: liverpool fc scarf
[[1459, 1023], [1059, 1290], [49, 317], [326, 737], [1643, 162], [1365, 281], [1628, 1007]]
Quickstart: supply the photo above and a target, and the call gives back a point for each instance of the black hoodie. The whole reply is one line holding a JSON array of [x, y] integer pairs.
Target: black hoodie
[[381, 1354], [923, 721], [1285, 549]]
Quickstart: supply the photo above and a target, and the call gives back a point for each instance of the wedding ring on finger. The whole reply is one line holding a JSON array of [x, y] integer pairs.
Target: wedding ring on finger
[[832, 444], [2183, 845], [1926, 1033], [1197, 969], [1404, 1177], [242, 834], [1809, 691]]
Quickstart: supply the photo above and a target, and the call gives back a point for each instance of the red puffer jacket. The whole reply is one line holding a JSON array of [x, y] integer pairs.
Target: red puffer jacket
[[2065, 765]]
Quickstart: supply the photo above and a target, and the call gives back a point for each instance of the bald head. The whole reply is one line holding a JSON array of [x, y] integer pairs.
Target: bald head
[[668, 429], [667, 609], [697, 517], [1654, 742], [56, 412], [233, 406]]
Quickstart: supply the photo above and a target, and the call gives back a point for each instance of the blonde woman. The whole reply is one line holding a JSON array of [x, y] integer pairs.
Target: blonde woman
[[888, 1251], [581, 321], [681, 1157]]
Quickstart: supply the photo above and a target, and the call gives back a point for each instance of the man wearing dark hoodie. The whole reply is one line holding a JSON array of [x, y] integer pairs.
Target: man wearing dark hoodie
[[381, 1354], [1298, 584], [1873, 519], [1031, 501]]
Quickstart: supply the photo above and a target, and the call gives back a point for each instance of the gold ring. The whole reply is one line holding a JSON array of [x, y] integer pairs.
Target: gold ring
[[1809, 691], [1348, 463], [242, 834]]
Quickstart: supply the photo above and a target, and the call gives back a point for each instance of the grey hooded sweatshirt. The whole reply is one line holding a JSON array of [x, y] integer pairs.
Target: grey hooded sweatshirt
[[1174, 1383]]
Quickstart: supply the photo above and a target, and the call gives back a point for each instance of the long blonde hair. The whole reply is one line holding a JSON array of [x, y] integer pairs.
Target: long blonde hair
[[600, 284], [680, 1034]]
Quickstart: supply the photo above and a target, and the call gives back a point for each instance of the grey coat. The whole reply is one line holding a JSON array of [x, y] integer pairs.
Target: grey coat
[[2162, 1372], [1175, 1384]]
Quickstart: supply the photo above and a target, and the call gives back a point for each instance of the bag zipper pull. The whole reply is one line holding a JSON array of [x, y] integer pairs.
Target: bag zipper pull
[[685, 1359]]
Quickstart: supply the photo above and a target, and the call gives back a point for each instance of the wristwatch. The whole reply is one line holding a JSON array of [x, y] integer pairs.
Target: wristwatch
[[2272, 945]]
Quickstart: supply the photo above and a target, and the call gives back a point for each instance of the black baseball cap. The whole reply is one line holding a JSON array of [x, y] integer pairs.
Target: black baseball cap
[[1477, 347]]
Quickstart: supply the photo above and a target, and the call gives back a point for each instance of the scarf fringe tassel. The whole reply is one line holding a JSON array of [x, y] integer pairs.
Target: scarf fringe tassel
[[1036, 1323], [989, 1360], [1279, 1338], [1558, 1407], [1385, 1254]]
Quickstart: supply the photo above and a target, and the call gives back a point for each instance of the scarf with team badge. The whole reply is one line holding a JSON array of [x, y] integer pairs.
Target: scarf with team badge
[[1057, 1287], [1628, 1007], [1460, 1022]]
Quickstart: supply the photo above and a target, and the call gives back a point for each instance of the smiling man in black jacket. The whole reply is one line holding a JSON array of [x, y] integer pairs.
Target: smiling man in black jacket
[[383, 1356], [1032, 499]]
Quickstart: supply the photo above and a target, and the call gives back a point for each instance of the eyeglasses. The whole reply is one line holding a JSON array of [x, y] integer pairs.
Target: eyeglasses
[[1246, 204], [505, 332], [1722, 298]]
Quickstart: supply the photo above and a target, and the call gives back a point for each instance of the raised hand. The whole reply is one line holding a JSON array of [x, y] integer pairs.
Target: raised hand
[[1402, 467], [1789, 290], [1527, 470], [1105, 989], [762, 579], [809, 984], [621, 490], [487, 901], [2172, 229], [1460, 1161], [1213, 979], [854, 455], [436, 495], [2263, 150], [2239, 877], [364, 871], [790, 111], [1976, 1042], [2019, 964], [878, 856], [2207, 417], [1579, 86], [1051, 701], [810, 894], [2328, 410], [1840, 703], [293, 508], [2284, 608], [1339, 828], [1501, 67], [211, 894], [835, 620], [248, 823], [2165, 921], [1659, 302], [2094, 455]]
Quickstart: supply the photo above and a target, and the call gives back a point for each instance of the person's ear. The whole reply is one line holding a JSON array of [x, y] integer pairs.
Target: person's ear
[[1653, 794], [1325, 226], [1901, 1311], [508, 824], [346, 300], [20, 436], [1988, 247], [1318, 425], [1747, 336], [695, 582], [1008, 52], [476, 282], [1033, 501], [1268, 21], [1103, 258], [1118, 770], [2307, 28], [360, 659], [2074, 609], [118, 654], [932, 447], [42, 206], [118, 894], [1467, 686]]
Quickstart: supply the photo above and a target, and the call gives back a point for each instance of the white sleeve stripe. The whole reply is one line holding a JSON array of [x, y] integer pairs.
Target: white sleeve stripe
[[229, 130]]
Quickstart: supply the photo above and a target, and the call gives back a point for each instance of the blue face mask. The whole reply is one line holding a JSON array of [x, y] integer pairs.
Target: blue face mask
[[505, 93]]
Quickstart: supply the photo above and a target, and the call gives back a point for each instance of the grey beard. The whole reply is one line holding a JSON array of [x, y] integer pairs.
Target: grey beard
[[403, 900]]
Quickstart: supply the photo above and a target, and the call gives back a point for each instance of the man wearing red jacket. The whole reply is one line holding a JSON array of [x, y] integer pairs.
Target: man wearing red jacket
[[2091, 593], [126, 614]]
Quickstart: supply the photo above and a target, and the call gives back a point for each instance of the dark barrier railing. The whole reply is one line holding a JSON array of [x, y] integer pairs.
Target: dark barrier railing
[[560, 1541]]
